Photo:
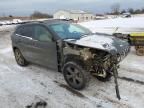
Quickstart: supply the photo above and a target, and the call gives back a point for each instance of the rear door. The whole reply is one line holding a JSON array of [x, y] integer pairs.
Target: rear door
[[45, 47], [25, 41]]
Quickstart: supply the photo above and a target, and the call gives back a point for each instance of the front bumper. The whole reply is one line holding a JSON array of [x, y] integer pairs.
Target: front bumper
[[123, 53]]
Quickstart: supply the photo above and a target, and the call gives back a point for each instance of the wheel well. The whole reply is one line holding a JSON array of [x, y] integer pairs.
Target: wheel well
[[74, 58], [70, 57]]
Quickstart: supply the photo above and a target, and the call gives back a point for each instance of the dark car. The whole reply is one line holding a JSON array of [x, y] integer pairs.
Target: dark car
[[68, 48], [126, 15]]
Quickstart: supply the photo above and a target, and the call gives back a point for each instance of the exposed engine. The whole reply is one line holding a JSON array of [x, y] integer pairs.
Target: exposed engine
[[99, 62]]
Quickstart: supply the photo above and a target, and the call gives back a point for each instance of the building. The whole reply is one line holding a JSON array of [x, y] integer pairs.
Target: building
[[76, 15]]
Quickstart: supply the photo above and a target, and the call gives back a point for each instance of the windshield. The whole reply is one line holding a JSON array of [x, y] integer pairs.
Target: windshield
[[69, 31]]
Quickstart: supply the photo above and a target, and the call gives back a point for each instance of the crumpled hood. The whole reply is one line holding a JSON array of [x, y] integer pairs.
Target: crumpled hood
[[107, 43]]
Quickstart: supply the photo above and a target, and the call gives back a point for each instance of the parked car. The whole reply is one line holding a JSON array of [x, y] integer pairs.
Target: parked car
[[126, 15], [1, 24], [69, 48]]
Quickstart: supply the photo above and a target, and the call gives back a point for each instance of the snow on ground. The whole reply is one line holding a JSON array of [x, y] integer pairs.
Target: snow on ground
[[119, 25], [7, 28], [22, 86]]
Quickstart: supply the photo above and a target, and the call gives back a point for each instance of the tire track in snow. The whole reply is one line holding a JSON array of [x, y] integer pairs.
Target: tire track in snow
[[131, 80]]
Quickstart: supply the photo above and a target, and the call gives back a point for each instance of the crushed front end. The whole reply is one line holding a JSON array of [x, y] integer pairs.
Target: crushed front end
[[100, 54]]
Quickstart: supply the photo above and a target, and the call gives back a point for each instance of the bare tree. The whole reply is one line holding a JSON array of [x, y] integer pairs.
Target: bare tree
[[115, 8], [131, 10], [38, 14], [123, 11]]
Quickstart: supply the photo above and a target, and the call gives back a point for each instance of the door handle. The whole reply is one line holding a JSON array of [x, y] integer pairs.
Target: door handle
[[34, 42]]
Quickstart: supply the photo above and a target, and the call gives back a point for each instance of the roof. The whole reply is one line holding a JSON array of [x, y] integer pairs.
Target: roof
[[52, 21]]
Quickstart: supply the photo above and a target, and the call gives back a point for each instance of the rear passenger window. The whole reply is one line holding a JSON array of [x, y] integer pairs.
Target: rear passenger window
[[18, 31], [25, 31]]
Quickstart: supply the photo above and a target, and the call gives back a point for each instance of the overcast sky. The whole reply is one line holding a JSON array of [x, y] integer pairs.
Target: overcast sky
[[26, 7]]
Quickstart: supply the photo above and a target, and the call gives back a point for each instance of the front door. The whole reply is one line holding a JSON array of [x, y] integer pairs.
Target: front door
[[45, 47]]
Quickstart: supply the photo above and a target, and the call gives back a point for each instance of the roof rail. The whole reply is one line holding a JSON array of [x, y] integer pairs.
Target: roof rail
[[26, 22]]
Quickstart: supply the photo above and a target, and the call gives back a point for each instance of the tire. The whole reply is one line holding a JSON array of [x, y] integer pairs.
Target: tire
[[75, 75], [140, 52], [19, 58], [105, 78]]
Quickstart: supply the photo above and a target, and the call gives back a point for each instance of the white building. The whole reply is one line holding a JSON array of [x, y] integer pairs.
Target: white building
[[76, 15]]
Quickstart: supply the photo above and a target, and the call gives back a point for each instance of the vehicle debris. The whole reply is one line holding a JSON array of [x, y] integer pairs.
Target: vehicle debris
[[39, 104], [115, 73]]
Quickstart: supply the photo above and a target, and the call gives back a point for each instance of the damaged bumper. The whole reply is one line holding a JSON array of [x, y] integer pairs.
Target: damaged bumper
[[121, 52]]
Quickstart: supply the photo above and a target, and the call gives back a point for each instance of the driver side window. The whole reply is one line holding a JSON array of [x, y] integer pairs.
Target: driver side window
[[42, 34]]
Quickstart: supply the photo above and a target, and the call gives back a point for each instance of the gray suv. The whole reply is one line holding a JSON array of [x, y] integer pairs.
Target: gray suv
[[69, 48]]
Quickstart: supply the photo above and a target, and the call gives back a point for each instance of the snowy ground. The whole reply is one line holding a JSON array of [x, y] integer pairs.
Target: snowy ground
[[116, 25], [22, 86]]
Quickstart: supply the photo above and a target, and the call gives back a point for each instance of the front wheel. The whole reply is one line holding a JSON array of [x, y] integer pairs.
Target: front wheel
[[75, 75]]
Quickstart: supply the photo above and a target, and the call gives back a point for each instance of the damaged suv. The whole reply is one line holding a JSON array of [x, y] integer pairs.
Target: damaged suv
[[69, 48]]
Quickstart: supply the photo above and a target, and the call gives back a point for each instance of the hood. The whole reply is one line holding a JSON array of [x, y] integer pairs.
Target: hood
[[103, 42]]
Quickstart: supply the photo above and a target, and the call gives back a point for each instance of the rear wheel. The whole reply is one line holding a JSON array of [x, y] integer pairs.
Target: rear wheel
[[75, 75], [19, 58]]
